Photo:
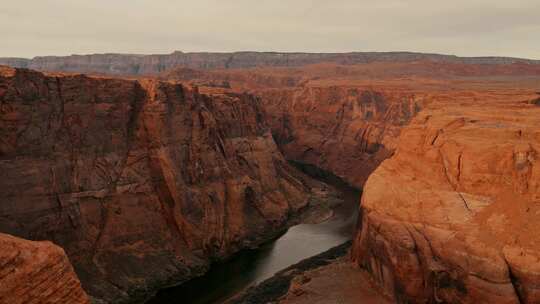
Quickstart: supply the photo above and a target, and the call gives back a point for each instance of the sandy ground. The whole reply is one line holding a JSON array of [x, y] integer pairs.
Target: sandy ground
[[337, 283]]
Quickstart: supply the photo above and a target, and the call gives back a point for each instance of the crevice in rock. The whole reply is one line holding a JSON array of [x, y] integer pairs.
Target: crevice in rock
[[436, 137], [459, 166], [454, 187], [515, 283]]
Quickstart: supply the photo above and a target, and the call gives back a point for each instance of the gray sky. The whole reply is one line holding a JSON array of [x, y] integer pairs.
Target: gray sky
[[462, 27]]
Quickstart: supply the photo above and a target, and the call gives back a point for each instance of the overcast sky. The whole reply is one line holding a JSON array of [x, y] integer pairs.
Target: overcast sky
[[463, 27]]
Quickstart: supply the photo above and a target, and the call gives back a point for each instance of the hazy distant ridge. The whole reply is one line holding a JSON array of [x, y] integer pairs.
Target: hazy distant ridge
[[152, 64]]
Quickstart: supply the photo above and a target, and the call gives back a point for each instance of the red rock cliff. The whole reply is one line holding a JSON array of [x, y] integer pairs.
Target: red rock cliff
[[142, 183], [452, 216], [36, 272], [348, 131]]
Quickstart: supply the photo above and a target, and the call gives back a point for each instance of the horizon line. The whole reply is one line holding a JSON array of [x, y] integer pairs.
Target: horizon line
[[270, 52]]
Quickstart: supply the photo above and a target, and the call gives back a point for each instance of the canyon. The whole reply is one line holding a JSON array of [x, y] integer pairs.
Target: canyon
[[145, 181]]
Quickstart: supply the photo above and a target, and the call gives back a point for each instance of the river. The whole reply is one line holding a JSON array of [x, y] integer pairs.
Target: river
[[249, 267]]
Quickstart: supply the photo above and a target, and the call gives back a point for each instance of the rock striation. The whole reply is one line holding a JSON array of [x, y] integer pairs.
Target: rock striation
[[348, 131], [36, 272], [143, 183], [122, 64], [452, 216]]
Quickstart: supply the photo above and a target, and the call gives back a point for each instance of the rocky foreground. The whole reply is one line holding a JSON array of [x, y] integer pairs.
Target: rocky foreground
[[36, 272], [143, 183]]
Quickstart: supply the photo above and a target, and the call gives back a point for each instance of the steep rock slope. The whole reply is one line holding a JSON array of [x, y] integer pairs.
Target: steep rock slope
[[143, 183], [348, 131], [452, 216], [346, 118], [36, 272], [151, 64]]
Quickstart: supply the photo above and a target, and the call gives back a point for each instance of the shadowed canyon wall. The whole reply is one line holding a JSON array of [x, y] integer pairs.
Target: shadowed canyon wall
[[345, 128], [143, 183], [348, 131]]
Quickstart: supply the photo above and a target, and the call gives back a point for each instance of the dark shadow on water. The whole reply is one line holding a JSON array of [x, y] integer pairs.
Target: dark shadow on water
[[220, 282], [323, 175], [249, 267]]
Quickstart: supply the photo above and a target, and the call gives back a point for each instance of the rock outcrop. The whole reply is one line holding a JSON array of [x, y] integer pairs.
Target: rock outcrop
[[36, 272], [143, 183], [152, 64], [348, 131], [453, 216]]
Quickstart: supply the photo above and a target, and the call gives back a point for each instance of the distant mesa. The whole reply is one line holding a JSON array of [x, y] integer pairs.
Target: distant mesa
[[133, 64]]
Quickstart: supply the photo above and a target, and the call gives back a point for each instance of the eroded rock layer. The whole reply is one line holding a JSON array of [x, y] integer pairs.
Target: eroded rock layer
[[348, 131], [143, 183], [452, 216], [36, 272]]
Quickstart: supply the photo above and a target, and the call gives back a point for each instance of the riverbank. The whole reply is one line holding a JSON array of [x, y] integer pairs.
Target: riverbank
[[328, 277], [328, 221], [312, 231]]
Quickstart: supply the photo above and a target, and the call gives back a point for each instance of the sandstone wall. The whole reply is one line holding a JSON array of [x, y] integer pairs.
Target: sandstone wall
[[143, 183], [348, 131], [453, 216], [36, 272]]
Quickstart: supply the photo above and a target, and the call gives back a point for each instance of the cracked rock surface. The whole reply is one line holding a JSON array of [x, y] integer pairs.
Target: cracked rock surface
[[36, 272], [143, 183], [452, 216]]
